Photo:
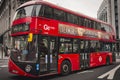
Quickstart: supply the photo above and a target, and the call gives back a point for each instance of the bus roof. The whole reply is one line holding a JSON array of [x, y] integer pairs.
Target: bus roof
[[62, 8]]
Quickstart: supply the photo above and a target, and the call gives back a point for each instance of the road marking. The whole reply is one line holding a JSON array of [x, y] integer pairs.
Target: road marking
[[110, 73], [87, 71]]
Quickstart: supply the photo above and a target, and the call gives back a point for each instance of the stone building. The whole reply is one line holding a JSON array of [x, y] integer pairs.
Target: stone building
[[7, 11], [109, 11]]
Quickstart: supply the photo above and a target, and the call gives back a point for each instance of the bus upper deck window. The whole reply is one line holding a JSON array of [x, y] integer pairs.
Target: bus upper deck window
[[48, 12], [24, 12]]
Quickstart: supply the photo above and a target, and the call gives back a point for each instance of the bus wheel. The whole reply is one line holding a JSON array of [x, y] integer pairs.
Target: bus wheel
[[107, 61], [65, 67]]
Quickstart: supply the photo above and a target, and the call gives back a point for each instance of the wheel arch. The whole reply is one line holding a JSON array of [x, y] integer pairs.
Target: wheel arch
[[108, 59], [68, 61]]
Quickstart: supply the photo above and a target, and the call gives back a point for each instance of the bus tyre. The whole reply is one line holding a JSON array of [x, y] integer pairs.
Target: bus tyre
[[65, 67], [107, 61]]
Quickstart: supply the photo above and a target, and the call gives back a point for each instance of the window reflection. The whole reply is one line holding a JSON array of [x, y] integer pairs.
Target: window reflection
[[24, 50], [24, 12], [65, 45]]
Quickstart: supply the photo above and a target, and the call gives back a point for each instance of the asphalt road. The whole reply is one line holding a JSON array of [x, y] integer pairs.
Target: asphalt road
[[110, 72]]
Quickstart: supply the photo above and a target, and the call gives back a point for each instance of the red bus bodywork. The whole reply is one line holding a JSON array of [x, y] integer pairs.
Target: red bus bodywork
[[51, 27]]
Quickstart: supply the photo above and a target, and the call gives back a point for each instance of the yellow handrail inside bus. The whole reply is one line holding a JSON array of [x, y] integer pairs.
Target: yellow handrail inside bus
[[30, 37]]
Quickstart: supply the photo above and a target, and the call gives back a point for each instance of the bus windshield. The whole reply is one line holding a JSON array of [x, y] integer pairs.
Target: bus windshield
[[24, 12], [24, 50], [31, 10]]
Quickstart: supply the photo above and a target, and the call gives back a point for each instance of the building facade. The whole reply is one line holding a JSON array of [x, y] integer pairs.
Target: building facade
[[7, 11], [109, 11]]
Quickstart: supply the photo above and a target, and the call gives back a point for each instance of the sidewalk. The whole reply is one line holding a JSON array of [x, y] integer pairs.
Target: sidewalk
[[117, 58], [5, 58], [4, 61]]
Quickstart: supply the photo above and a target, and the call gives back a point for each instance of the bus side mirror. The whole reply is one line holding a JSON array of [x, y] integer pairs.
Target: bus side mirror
[[1, 39], [30, 37]]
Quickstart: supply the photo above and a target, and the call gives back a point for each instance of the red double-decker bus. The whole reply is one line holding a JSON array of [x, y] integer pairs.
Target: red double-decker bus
[[48, 39]]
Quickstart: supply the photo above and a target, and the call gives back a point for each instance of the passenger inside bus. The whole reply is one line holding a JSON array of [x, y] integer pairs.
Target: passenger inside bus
[[32, 51], [65, 48], [103, 29], [43, 49]]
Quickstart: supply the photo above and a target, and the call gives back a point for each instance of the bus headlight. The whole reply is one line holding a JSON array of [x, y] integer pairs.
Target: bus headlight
[[28, 68]]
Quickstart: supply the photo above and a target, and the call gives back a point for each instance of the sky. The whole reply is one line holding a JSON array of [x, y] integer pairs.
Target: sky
[[87, 7]]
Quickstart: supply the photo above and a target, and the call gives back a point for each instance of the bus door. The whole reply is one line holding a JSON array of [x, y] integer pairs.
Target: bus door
[[84, 54], [47, 54]]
